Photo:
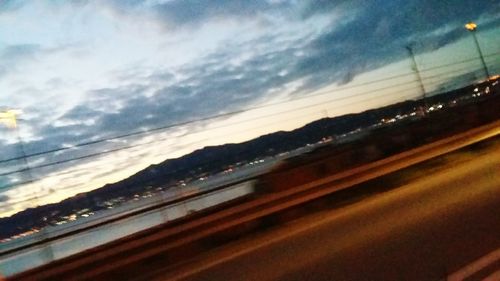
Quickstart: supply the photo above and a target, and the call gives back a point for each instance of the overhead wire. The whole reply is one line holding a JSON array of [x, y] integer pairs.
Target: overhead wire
[[227, 114], [322, 103], [235, 123]]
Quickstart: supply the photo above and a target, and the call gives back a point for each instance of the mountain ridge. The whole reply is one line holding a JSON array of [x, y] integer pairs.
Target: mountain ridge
[[210, 160]]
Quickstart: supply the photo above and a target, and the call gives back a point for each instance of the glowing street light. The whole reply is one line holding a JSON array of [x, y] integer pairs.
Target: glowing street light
[[472, 27], [9, 118]]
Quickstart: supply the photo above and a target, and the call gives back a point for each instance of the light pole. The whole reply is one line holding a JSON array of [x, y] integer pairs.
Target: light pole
[[9, 118], [417, 71], [472, 27], [409, 48]]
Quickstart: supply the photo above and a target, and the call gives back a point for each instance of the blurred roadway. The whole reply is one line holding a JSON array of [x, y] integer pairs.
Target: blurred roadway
[[422, 214], [442, 224]]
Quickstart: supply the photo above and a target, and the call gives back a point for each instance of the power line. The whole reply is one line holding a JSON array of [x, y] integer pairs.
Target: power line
[[226, 125], [459, 62], [227, 114], [153, 141], [221, 160]]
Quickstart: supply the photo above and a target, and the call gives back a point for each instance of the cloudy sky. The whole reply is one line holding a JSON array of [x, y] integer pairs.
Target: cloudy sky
[[148, 80]]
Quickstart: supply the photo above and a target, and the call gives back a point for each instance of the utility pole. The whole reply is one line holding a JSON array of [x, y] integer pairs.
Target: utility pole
[[409, 48]]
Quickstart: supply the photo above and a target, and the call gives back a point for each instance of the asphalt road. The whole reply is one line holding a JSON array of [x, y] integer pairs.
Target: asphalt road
[[441, 223], [430, 213]]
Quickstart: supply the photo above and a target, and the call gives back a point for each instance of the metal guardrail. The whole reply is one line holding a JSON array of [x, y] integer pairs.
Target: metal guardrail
[[184, 239], [47, 249], [270, 203]]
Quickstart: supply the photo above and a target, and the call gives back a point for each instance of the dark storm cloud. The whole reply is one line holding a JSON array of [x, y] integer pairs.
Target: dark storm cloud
[[212, 86], [408, 16], [193, 12], [380, 31], [369, 35], [375, 36]]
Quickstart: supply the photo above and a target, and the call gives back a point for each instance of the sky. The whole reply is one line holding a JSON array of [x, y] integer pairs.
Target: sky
[[174, 76]]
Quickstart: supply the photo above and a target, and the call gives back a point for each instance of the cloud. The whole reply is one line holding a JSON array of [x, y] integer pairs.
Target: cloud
[[241, 73], [220, 82], [217, 83], [10, 5], [192, 12], [17, 52], [3, 182], [4, 201], [13, 55], [131, 79], [374, 37]]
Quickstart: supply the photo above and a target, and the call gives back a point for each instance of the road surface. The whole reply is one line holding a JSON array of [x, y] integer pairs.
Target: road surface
[[442, 224], [424, 214]]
